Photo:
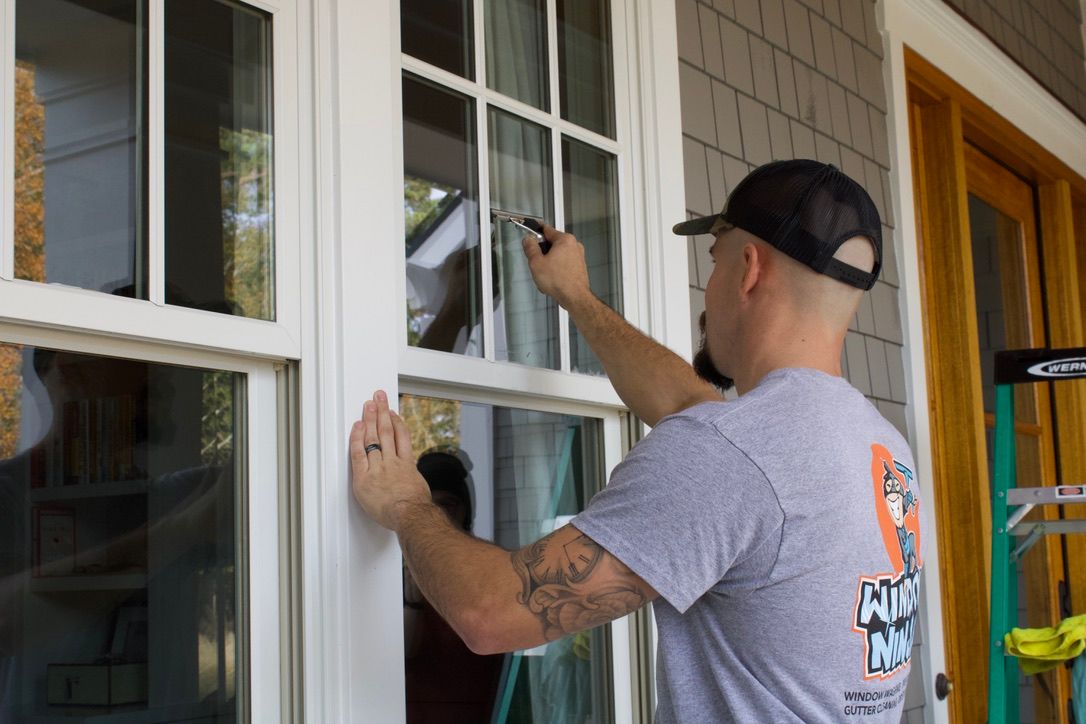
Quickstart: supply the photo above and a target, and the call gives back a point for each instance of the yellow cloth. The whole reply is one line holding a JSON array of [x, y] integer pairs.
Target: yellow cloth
[[1041, 649]]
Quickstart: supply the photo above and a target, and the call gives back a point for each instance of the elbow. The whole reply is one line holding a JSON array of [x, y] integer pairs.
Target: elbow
[[477, 627]]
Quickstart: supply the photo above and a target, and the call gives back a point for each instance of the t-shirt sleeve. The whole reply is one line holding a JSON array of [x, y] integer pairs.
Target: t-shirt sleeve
[[683, 508]]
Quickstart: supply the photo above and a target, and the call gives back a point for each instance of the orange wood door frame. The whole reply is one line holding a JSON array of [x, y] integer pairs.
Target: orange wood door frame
[[944, 120], [962, 509]]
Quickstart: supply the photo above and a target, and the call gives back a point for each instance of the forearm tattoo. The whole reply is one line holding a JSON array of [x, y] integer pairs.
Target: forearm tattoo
[[558, 587]]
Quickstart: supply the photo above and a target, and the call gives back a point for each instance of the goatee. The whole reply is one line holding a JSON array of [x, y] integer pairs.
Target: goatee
[[704, 367]]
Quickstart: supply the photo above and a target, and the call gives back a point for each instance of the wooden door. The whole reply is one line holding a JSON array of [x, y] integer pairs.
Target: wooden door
[[1001, 237]]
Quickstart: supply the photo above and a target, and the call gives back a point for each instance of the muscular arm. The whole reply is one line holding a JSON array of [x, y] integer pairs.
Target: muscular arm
[[498, 600], [652, 380]]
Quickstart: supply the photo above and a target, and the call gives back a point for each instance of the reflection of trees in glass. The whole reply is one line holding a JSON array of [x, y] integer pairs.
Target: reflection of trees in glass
[[29, 177], [216, 599], [11, 390], [423, 203], [432, 422], [29, 238], [217, 419], [247, 221]]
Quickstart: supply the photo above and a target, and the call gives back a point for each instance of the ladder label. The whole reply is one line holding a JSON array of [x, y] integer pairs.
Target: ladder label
[[1071, 491], [1068, 367]]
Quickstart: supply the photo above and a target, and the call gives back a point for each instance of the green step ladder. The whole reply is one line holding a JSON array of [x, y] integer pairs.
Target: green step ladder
[[1010, 504]]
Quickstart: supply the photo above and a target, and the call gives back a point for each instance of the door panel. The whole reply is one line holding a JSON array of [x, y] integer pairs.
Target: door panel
[[1007, 290]]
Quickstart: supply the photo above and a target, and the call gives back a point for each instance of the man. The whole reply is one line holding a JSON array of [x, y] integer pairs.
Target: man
[[758, 526]]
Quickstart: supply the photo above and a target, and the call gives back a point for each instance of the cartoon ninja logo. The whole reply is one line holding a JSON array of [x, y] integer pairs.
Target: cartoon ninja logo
[[887, 602], [899, 502]]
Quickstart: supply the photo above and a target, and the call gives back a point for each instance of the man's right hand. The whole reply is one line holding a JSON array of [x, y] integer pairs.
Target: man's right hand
[[561, 273]]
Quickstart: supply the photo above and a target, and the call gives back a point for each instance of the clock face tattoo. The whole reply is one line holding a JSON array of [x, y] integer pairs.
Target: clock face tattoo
[[555, 572], [563, 564], [582, 555]]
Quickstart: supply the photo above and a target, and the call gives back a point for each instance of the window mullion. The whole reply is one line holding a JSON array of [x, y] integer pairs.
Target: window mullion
[[482, 143], [486, 278], [556, 163], [7, 138], [156, 151], [505, 103]]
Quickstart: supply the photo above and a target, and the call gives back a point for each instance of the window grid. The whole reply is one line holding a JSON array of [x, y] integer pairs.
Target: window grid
[[156, 152], [484, 98], [64, 306]]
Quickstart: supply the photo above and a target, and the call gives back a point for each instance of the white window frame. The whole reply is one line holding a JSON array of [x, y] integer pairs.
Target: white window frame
[[84, 321], [353, 647], [260, 646], [67, 307]]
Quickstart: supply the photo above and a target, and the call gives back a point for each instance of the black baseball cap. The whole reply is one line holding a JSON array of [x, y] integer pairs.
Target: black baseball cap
[[806, 209]]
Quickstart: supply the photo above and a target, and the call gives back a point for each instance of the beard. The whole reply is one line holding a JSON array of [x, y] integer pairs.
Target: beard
[[704, 367]]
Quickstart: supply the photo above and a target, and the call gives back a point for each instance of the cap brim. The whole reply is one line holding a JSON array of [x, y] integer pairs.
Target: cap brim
[[693, 227]]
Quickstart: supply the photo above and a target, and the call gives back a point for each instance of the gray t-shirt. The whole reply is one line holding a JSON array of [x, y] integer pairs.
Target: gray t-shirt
[[782, 531]]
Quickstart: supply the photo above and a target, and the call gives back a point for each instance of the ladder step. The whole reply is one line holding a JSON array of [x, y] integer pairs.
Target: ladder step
[[1047, 495], [1049, 527]]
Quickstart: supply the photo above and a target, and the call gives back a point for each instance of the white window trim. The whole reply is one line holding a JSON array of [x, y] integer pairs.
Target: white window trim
[[943, 37], [65, 307], [353, 648], [260, 541]]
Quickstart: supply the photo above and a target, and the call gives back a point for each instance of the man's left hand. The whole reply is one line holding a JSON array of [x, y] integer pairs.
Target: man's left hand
[[385, 480]]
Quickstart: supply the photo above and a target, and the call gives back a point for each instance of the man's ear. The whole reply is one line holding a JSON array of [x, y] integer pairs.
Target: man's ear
[[753, 267]]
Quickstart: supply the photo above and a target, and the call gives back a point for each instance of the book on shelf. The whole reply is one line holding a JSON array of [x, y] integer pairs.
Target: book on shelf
[[94, 443]]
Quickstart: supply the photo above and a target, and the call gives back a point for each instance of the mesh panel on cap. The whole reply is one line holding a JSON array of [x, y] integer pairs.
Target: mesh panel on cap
[[807, 209]]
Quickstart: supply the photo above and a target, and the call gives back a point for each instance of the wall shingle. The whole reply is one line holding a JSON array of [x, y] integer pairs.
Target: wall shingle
[[842, 54], [773, 23], [729, 137], [798, 22], [686, 18], [780, 135], [710, 41], [786, 83], [752, 118], [696, 177], [736, 56], [748, 14], [696, 104], [823, 47]]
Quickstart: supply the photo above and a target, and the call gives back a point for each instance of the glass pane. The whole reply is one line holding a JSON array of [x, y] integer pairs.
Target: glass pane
[[591, 195], [516, 50], [441, 220], [219, 186], [585, 81], [510, 476], [80, 144], [118, 559], [439, 33], [526, 324], [999, 275]]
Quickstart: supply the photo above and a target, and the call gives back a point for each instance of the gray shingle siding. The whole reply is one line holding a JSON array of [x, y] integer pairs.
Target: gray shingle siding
[[1043, 36]]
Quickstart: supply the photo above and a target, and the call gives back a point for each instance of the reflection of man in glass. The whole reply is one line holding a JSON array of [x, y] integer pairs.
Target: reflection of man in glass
[[711, 515], [445, 681]]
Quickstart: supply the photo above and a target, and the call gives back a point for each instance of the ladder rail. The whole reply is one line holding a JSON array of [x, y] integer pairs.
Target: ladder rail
[[1017, 367]]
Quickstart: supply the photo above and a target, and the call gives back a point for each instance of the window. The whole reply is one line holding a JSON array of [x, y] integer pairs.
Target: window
[[86, 210], [142, 231], [511, 476], [120, 488], [535, 135]]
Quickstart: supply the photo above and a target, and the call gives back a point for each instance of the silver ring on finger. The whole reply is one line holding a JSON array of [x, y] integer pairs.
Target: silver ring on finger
[[371, 447]]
